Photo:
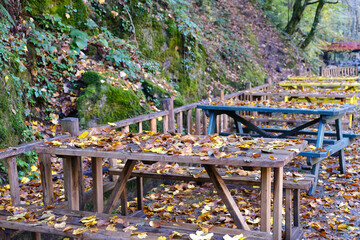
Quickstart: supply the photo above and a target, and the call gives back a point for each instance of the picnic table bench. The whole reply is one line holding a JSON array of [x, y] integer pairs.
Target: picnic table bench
[[100, 226], [292, 186], [120, 146], [326, 113]]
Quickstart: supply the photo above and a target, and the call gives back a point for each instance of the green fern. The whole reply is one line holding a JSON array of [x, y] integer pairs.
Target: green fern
[[4, 13]]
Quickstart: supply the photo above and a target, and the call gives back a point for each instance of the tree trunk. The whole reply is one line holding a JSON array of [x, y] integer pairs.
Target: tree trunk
[[298, 10], [316, 21]]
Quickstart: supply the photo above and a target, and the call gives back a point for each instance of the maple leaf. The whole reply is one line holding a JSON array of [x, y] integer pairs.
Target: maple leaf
[[129, 228], [200, 235], [111, 227], [237, 237], [59, 225]]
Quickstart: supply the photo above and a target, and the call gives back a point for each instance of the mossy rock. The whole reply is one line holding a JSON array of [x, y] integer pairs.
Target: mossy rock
[[103, 103], [77, 10]]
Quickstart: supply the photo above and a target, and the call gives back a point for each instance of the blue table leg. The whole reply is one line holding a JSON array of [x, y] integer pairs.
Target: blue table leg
[[316, 166], [212, 123], [339, 136]]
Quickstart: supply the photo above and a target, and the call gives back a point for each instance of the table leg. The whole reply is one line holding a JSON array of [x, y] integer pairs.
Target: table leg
[[98, 195], [226, 197], [46, 178], [212, 123], [316, 166], [339, 136], [278, 198], [73, 182], [120, 185], [265, 211]]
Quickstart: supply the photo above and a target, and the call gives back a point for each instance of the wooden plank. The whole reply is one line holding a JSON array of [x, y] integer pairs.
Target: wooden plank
[[46, 179], [296, 207], [119, 186], [277, 202], [14, 151], [265, 211], [179, 122], [153, 125], [245, 161], [226, 197], [36, 236], [98, 193], [189, 122], [13, 180]]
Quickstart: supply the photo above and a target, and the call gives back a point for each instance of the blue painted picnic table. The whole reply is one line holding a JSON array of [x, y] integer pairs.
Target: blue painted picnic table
[[325, 115]]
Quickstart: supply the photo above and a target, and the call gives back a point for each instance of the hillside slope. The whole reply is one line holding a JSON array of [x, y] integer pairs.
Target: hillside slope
[[135, 52]]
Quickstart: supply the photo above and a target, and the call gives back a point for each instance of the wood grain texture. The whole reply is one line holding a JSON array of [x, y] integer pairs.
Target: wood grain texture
[[13, 180], [98, 193], [265, 211], [46, 179], [277, 202]]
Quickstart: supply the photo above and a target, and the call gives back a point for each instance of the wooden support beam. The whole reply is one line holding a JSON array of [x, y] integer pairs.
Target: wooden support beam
[[97, 175], [153, 125], [13, 180], [46, 178]]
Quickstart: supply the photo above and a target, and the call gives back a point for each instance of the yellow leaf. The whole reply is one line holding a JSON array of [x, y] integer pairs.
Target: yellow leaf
[[83, 135], [161, 238], [56, 143], [80, 230], [60, 225], [312, 147], [169, 208], [110, 123], [142, 235], [111, 227], [129, 229], [94, 230], [25, 180], [33, 168], [342, 227], [101, 1]]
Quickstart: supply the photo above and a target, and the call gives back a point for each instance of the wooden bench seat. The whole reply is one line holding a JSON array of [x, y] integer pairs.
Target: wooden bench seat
[[292, 187], [143, 228]]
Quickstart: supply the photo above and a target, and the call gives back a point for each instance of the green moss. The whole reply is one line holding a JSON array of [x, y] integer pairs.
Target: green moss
[[107, 103], [92, 78], [77, 10]]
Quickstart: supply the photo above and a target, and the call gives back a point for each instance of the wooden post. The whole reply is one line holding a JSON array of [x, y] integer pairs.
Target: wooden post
[[140, 127], [140, 193], [189, 121], [247, 85], [97, 175], [73, 176], [179, 121], [153, 125], [168, 105], [265, 213], [204, 123], [46, 179], [320, 71], [13, 180], [198, 121], [125, 129], [223, 117], [356, 70], [165, 124]]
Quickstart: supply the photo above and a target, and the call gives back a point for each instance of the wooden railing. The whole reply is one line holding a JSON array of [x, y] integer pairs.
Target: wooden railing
[[173, 120], [333, 71]]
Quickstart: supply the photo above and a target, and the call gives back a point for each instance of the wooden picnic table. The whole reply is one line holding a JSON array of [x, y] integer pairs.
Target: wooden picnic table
[[316, 85], [239, 151], [326, 113], [320, 78]]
